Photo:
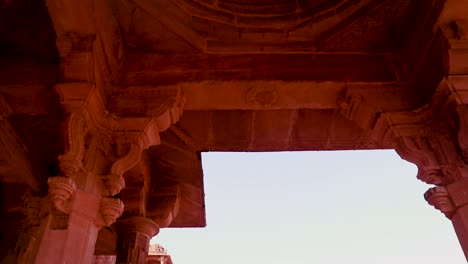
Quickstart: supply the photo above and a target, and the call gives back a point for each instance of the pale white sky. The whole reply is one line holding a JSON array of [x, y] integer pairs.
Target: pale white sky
[[355, 207]]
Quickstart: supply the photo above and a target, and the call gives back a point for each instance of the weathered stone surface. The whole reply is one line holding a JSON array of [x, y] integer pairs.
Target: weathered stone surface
[[119, 98]]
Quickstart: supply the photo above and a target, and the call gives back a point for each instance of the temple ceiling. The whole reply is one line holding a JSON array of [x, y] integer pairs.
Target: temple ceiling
[[256, 75], [266, 26]]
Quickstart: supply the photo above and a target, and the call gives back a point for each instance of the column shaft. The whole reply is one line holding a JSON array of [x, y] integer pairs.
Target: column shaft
[[460, 223], [69, 237]]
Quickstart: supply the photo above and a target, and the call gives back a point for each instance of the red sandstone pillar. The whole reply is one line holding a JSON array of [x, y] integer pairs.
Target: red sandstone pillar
[[452, 200], [68, 233], [133, 237]]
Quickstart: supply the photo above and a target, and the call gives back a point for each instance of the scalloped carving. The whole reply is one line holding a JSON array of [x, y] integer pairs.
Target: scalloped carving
[[61, 189], [440, 199], [418, 151], [111, 209]]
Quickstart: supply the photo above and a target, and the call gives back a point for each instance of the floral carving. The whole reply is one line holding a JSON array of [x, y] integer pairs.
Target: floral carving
[[111, 209], [440, 199], [263, 96], [417, 150], [61, 189]]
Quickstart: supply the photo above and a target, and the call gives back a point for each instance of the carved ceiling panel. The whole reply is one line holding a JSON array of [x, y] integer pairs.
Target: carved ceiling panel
[[381, 29], [237, 26]]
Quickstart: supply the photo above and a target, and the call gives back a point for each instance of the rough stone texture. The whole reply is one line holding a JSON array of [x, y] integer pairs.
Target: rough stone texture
[[121, 97]]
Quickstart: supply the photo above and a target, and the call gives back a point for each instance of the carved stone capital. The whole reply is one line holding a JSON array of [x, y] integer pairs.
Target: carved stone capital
[[111, 209], [69, 166], [137, 224], [114, 184], [439, 197], [61, 189], [418, 150], [133, 236]]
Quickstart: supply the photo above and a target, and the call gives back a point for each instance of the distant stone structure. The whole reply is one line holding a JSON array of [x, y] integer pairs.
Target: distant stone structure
[[158, 255], [106, 105]]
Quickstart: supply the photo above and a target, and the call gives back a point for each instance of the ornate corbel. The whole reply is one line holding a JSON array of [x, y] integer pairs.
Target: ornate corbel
[[115, 181], [71, 161], [439, 197], [110, 210], [61, 190], [144, 135], [416, 149], [73, 97], [426, 138]]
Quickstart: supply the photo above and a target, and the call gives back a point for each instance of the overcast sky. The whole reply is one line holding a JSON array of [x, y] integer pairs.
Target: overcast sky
[[362, 207]]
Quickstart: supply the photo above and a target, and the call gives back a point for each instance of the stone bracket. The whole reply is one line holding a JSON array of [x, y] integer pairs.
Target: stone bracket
[[439, 197], [61, 191], [110, 209]]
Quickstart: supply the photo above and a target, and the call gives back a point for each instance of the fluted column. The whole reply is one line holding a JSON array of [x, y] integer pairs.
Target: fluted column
[[133, 237], [452, 200]]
